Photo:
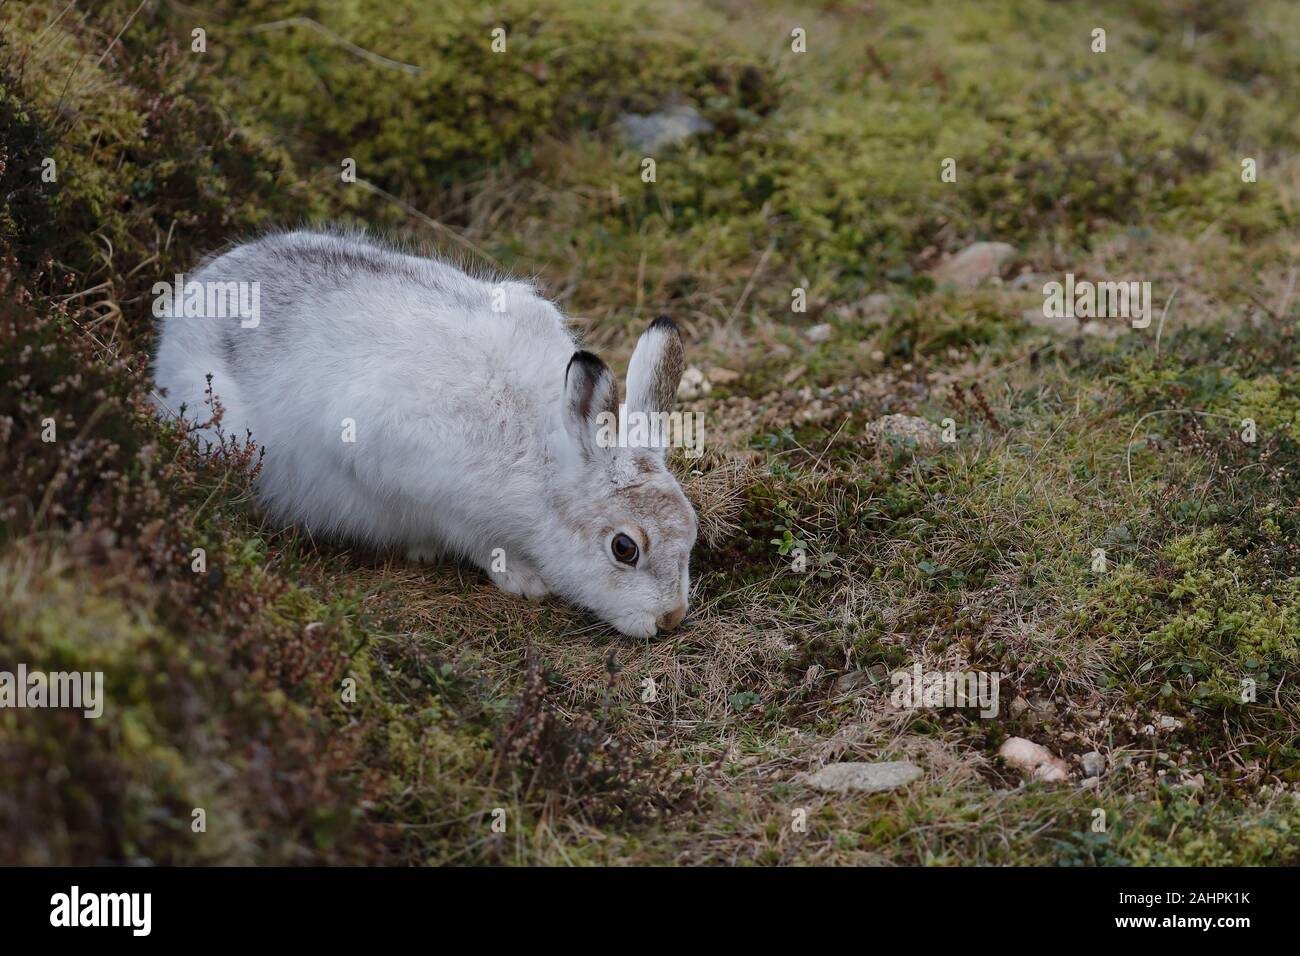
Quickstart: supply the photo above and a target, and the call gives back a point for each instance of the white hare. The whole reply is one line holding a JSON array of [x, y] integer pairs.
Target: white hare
[[401, 402]]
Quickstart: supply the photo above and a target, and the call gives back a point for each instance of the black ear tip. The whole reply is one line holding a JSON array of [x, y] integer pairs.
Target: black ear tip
[[588, 362], [666, 323]]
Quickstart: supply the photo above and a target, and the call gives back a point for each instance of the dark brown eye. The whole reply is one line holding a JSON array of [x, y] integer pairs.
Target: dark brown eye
[[625, 549]]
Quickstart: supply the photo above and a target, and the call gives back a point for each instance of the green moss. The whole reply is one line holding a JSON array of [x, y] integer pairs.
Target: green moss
[[226, 689], [446, 105]]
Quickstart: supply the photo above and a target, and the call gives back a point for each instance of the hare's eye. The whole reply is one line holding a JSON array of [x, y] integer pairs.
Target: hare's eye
[[625, 549]]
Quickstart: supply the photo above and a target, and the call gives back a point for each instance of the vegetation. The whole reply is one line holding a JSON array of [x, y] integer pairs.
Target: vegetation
[[324, 704]]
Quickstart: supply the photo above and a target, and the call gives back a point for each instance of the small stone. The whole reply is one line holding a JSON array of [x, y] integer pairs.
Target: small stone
[[863, 777], [693, 384], [1093, 764], [722, 376], [852, 681], [873, 305], [818, 333], [1061, 324], [654, 131], [1029, 280], [1167, 724], [1102, 330], [974, 265], [1034, 759], [1018, 706]]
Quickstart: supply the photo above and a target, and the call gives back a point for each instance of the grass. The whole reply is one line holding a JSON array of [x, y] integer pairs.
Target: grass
[[324, 704]]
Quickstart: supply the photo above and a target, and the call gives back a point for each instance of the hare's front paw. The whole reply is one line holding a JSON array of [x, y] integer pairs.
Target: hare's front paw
[[522, 581], [423, 554]]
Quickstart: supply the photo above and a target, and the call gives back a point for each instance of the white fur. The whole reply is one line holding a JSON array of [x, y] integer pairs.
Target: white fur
[[464, 439]]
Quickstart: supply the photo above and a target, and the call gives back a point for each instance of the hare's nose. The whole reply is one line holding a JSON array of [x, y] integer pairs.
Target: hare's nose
[[666, 622]]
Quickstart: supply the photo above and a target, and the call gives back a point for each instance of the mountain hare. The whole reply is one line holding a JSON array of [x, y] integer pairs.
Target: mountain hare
[[401, 402]]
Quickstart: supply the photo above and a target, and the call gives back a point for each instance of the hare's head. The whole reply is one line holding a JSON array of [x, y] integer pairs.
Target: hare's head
[[627, 528]]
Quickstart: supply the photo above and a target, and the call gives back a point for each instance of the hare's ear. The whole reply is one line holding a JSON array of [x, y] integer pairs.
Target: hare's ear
[[652, 376], [656, 368], [590, 403]]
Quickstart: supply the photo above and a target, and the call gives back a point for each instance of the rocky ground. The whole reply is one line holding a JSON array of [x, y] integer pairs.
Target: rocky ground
[[908, 463]]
